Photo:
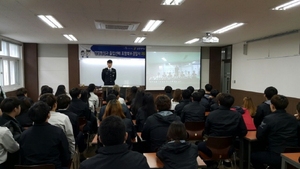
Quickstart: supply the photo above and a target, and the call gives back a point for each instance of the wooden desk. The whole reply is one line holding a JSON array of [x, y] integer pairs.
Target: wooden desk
[[154, 162], [290, 158], [249, 138]]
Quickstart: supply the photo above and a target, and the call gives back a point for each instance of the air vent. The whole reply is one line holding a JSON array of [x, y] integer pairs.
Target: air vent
[[118, 26]]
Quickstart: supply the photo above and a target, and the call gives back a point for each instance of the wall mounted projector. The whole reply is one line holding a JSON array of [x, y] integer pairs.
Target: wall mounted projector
[[210, 39]]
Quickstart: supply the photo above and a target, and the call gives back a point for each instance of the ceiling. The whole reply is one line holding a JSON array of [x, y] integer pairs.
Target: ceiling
[[194, 18]]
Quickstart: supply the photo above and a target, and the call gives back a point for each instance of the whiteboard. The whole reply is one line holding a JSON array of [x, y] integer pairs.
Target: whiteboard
[[130, 71]]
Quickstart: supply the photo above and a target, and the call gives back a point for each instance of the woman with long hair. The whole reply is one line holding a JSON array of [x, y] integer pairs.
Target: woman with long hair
[[148, 108], [114, 108], [177, 97]]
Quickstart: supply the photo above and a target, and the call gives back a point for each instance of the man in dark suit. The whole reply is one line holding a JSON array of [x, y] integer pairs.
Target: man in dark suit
[[109, 74]]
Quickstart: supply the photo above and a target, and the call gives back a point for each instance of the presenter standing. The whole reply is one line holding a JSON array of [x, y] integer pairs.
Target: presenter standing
[[109, 74]]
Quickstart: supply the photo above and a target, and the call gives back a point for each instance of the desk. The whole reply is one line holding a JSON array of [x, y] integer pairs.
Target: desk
[[290, 158], [154, 162], [250, 137]]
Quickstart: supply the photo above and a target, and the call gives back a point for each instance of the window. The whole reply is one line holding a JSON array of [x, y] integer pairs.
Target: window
[[10, 56]]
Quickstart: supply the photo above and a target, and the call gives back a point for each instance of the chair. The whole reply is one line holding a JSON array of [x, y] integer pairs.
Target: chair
[[41, 166], [194, 130], [219, 147]]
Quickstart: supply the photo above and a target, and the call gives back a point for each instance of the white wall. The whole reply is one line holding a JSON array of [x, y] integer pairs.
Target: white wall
[[271, 62], [53, 65]]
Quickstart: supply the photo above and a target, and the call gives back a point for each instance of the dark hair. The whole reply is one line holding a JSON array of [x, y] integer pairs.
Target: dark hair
[[112, 131], [49, 99], [115, 92], [270, 92], [131, 95], [208, 87], [63, 101], [177, 95], [137, 102], [162, 102], [21, 91], [75, 92], [109, 61], [84, 96], [9, 104], [191, 89], [47, 89], [177, 131], [91, 87], [148, 104], [197, 96], [280, 102], [225, 100], [42, 87], [214, 92], [201, 91], [61, 89], [186, 94], [110, 97], [113, 107], [168, 89], [38, 113], [25, 105]]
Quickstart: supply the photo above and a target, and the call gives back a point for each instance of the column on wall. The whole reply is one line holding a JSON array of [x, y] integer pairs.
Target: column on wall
[[73, 61], [215, 67]]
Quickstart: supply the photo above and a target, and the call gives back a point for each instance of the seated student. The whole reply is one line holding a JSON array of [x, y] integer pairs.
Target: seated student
[[63, 102], [214, 105], [191, 89], [114, 154], [148, 108], [125, 109], [117, 88], [8, 145], [177, 152], [43, 143], [60, 120], [208, 88], [264, 108], [47, 89], [249, 110], [223, 122], [177, 97], [114, 108], [205, 102], [137, 103], [280, 129], [186, 99], [168, 91], [22, 94], [93, 98], [131, 95], [156, 126], [194, 111], [23, 117]]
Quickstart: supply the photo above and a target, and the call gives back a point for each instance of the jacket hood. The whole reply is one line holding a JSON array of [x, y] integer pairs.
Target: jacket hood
[[177, 147], [166, 118]]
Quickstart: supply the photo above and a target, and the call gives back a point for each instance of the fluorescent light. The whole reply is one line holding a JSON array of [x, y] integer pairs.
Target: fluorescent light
[[287, 5], [51, 21], [152, 25], [70, 37], [229, 27], [164, 59], [139, 39], [172, 2], [192, 41]]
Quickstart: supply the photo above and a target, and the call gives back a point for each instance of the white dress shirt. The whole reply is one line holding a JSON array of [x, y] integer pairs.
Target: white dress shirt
[[62, 121], [93, 102], [7, 144]]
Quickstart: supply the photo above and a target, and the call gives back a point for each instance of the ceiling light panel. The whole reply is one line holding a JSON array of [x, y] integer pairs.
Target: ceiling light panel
[[172, 2], [227, 28], [152, 25], [287, 5], [51, 21], [70, 37], [139, 39], [192, 41]]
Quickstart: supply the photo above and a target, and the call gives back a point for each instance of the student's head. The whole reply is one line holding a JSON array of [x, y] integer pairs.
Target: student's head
[[11, 106], [162, 103], [148, 99], [177, 95], [84, 96], [21, 92], [63, 101], [110, 97], [112, 131], [168, 89], [91, 87], [75, 93], [115, 92], [191, 89], [186, 94], [61, 89], [225, 100], [196, 96], [270, 92], [177, 131], [279, 102], [248, 104], [47, 89], [44, 86], [133, 89], [114, 107], [25, 105], [109, 63], [50, 100], [214, 92], [39, 112], [116, 87], [208, 87]]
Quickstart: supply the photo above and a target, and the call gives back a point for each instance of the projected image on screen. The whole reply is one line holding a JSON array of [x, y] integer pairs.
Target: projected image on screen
[[176, 69]]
